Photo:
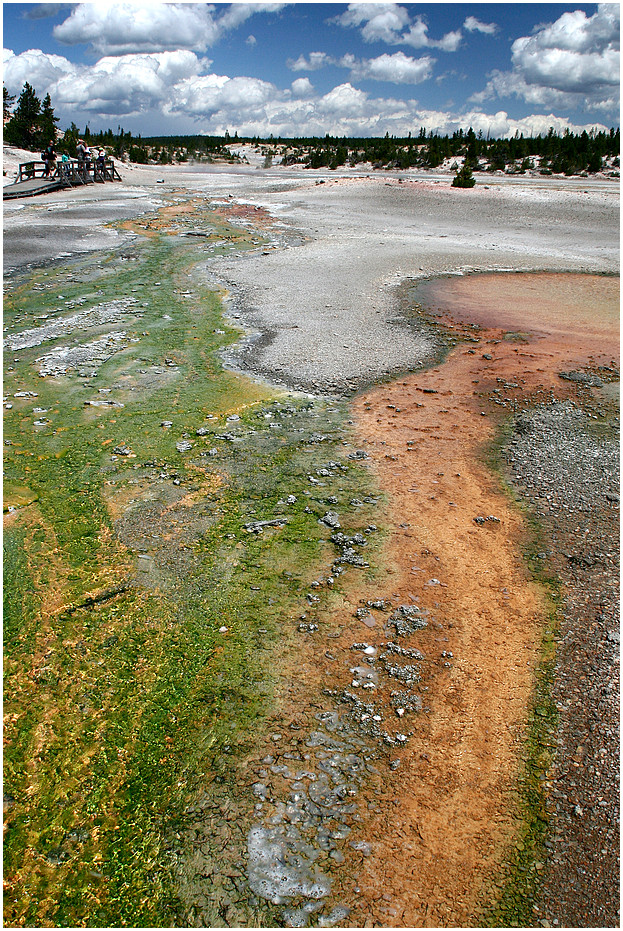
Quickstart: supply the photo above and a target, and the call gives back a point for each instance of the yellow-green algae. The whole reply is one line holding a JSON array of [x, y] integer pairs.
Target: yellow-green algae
[[124, 699]]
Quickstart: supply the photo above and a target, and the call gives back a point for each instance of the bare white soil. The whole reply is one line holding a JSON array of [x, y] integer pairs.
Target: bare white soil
[[326, 305], [323, 295]]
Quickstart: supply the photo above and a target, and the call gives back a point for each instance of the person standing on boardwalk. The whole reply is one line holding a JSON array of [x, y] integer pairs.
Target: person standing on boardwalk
[[49, 157], [82, 152]]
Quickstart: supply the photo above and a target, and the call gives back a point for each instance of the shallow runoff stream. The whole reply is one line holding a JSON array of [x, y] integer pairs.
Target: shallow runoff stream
[[174, 533]]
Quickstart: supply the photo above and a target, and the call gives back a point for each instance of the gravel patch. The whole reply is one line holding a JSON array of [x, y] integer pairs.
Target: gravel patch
[[564, 459]]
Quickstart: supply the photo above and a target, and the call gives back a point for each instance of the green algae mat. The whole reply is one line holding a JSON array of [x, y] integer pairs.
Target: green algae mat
[[160, 534]]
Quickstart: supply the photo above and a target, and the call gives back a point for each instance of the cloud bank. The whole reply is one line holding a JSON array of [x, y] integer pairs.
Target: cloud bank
[[152, 67], [394, 69]]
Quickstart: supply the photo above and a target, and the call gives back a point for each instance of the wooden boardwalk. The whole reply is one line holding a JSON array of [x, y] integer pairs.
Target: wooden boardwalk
[[32, 178]]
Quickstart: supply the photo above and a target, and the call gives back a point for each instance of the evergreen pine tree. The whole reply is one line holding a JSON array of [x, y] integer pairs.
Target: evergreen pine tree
[[8, 101], [23, 127], [464, 177], [70, 140], [47, 122]]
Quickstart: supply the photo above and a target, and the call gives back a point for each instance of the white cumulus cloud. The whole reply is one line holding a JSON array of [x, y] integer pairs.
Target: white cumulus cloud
[[206, 96], [474, 25], [120, 28], [573, 62], [379, 21], [313, 62], [42, 71], [239, 13], [398, 68], [302, 87], [114, 85], [391, 23], [132, 83], [344, 100], [578, 32]]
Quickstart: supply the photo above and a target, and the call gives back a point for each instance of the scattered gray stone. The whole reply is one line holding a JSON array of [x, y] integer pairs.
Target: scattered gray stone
[[296, 918], [410, 675], [105, 402], [100, 315], [330, 519], [406, 620], [588, 379], [62, 359], [364, 675], [351, 558], [397, 650], [405, 700], [257, 526]]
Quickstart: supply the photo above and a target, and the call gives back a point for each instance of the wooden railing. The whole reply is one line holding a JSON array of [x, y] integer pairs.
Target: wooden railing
[[71, 172]]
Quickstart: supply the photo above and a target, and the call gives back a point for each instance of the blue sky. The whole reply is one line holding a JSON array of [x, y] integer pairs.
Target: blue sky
[[298, 69]]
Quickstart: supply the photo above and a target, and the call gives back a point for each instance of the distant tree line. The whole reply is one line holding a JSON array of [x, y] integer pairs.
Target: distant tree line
[[567, 153], [31, 124]]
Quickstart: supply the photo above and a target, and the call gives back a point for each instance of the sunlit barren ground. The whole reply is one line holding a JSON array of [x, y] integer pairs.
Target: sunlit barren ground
[[311, 551]]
